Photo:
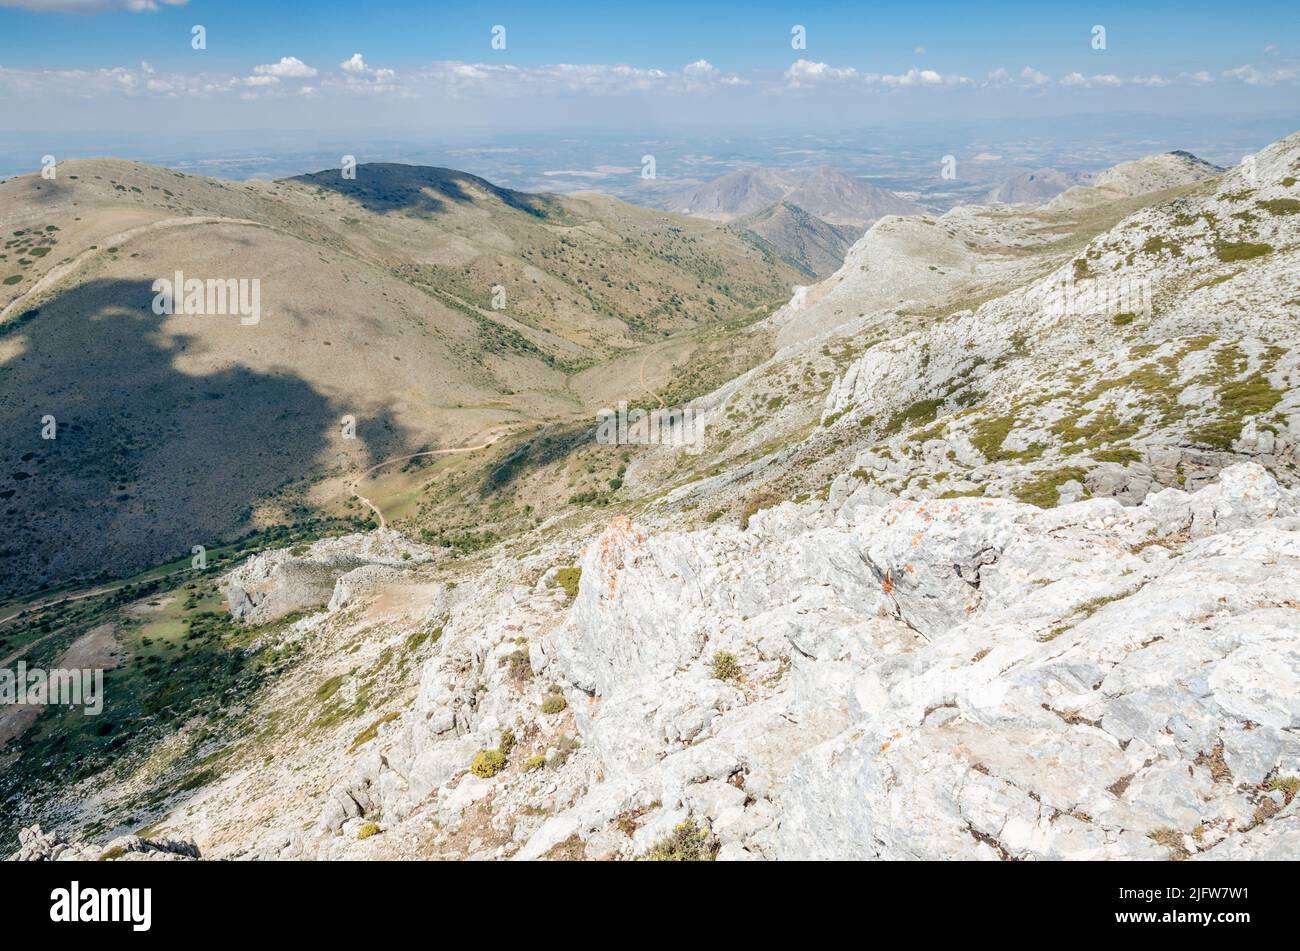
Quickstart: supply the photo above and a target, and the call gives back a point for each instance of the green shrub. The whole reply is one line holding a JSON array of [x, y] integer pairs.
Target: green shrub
[[686, 843], [534, 763], [367, 830], [568, 578], [725, 666], [554, 703], [1123, 320], [13, 279], [487, 763], [507, 741]]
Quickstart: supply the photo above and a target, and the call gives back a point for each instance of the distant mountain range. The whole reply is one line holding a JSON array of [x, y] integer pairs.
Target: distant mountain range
[[829, 194], [809, 217], [1152, 173], [1039, 185]]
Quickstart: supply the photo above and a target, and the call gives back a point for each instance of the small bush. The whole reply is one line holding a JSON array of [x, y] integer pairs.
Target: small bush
[[534, 763], [725, 666], [1288, 786], [521, 668], [554, 703], [367, 830], [568, 578], [507, 741], [1123, 320], [487, 763], [13, 279], [686, 843]]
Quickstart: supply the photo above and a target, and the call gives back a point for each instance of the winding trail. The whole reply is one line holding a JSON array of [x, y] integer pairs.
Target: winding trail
[[357, 480]]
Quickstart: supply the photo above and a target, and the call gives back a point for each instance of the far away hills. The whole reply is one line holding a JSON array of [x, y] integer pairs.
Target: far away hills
[[807, 216]]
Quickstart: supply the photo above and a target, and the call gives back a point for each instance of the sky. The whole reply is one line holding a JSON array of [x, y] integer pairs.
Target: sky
[[330, 65]]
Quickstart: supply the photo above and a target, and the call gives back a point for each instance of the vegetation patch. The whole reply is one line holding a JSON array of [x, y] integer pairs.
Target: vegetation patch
[[1280, 206], [725, 666], [372, 731], [1044, 491], [1241, 250], [568, 579], [686, 843], [487, 763], [368, 830]]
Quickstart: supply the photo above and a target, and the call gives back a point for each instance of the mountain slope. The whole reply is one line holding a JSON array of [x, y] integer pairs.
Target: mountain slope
[[824, 192], [799, 238], [377, 303], [980, 509]]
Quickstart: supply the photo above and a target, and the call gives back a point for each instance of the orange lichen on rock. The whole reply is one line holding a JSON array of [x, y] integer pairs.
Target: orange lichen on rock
[[619, 540]]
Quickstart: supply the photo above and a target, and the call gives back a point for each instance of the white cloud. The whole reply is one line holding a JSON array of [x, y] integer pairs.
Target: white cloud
[[449, 79], [805, 71], [290, 67], [1254, 76], [919, 50], [1099, 79], [90, 6]]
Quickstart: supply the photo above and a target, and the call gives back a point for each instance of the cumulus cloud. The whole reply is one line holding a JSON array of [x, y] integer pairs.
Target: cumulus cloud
[[1098, 79], [806, 73], [90, 6], [455, 79], [1255, 76], [289, 67]]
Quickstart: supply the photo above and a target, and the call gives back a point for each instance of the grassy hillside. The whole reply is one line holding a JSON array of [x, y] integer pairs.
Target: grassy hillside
[[377, 303]]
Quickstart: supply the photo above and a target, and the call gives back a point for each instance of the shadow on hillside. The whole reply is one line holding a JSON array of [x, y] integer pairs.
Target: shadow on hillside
[[148, 461], [383, 187]]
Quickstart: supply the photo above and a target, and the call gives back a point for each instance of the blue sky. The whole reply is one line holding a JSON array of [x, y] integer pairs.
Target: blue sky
[[1155, 35], [121, 63]]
